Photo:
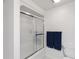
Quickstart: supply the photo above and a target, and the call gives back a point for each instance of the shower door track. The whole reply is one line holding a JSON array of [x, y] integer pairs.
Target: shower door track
[[31, 15]]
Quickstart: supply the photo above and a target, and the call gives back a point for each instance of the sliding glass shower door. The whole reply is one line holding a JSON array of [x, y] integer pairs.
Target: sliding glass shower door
[[26, 35], [31, 35], [39, 24]]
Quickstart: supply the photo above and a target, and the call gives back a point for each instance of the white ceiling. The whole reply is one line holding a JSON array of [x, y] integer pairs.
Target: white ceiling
[[48, 4]]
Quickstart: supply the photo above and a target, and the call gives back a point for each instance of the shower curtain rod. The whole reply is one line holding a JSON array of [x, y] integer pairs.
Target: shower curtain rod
[[41, 18]]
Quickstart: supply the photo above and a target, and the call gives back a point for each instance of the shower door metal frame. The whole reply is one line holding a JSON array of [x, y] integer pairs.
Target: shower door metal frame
[[40, 18]]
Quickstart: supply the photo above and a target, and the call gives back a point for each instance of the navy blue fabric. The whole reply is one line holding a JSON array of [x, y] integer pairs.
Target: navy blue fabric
[[54, 40]]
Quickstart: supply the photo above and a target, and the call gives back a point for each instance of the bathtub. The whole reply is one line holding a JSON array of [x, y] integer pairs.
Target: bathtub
[[48, 53]]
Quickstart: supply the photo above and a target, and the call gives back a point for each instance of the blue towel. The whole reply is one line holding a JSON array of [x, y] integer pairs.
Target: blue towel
[[54, 40]]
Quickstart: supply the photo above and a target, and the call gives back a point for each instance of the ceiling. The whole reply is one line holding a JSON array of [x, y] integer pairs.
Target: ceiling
[[48, 4]]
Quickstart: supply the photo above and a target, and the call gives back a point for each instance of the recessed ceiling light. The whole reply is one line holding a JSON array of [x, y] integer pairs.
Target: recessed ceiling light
[[56, 1]]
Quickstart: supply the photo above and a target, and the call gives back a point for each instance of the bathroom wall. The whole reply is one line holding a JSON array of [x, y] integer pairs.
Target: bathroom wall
[[11, 32], [62, 19], [8, 29]]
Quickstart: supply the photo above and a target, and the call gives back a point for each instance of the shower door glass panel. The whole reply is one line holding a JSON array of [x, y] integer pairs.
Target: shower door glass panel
[[39, 33], [40, 41], [39, 25], [26, 36], [31, 35]]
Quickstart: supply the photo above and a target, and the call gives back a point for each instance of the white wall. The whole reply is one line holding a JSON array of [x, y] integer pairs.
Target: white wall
[[8, 29], [16, 29], [62, 19], [11, 29]]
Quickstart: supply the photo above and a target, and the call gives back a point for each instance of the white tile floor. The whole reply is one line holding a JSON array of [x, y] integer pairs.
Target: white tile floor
[[48, 53]]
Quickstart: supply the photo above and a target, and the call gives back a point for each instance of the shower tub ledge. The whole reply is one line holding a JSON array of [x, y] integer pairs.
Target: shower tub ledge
[[48, 53]]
